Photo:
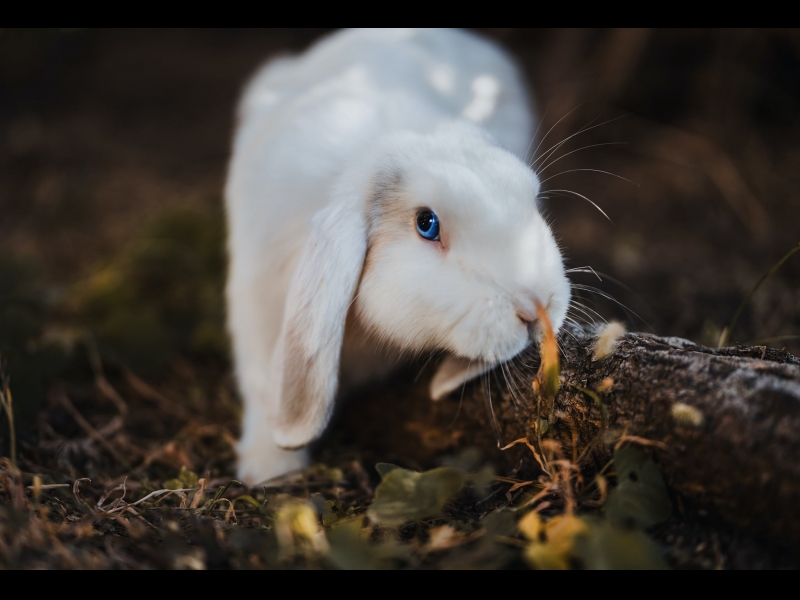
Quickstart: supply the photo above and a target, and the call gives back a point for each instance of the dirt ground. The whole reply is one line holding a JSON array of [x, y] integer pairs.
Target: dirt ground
[[103, 132]]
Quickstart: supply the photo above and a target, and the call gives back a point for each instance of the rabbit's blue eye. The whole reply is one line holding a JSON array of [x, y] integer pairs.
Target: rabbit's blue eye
[[428, 225]]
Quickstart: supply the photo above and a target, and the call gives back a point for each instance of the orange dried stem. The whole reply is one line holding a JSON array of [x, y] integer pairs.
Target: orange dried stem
[[550, 368]]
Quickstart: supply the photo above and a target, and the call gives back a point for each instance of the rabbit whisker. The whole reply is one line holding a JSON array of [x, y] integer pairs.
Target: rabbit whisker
[[554, 161], [615, 281], [602, 212], [599, 292], [593, 171], [586, 269], [567, 331], [523, 376], [587, 127], [508, 384], [552, 149], [535, 133], [551, 129], [487, 394], [427, 362], [529, 353], [587, 311], [461, 398], [516, 395]]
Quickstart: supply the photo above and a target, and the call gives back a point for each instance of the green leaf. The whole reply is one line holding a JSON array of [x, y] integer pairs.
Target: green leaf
[[332, 512], [482, 479], [544, 425], [606, 546], [350, 549], [640, 498], [249, 500], [406, 495], [188, 478]]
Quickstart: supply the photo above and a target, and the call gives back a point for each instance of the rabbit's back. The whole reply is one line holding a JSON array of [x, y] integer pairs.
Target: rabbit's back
[[302, 118], [452, 73]]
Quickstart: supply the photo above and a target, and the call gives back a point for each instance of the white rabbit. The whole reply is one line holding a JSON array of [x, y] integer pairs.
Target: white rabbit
[[378, 206]]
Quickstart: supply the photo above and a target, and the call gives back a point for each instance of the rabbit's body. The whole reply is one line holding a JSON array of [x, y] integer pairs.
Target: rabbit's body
[[335, 153]]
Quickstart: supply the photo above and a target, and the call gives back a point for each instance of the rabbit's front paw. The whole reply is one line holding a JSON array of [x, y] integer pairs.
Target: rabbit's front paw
[[260, 460]]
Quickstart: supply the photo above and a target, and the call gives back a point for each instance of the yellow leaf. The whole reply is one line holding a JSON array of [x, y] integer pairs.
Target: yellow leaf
[[546, 558], [558, 547], [298, 531], [531, 526], [562, 530]]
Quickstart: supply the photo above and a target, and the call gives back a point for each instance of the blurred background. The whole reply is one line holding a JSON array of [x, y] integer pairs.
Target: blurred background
[[113, 153]]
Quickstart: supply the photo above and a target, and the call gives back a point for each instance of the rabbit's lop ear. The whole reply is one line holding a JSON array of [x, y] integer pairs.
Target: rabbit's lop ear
[[310, 343]]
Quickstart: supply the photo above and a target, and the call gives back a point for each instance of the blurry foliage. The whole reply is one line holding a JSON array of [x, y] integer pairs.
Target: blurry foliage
[[640, 498], [33, 358], [162, 295], [405, 495], [185, 479], [617, 541], [569, 541], [351, 549], [608, 546]]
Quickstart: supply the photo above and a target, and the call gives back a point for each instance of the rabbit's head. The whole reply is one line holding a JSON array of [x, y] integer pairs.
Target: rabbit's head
[[435, 242]]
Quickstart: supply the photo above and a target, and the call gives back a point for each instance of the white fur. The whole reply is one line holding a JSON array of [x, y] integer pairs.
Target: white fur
[[329, 282]]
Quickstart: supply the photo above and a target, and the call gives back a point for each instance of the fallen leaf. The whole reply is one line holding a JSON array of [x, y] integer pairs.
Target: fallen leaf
[[404, 495], [608, 546], [531, 526], [640, 498], [298, 531], [556, 550]]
